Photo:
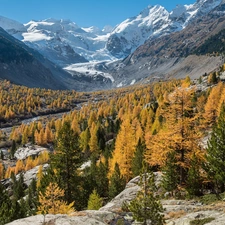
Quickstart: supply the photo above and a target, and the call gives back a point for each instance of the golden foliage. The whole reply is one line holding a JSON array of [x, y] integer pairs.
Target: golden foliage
[[1, 171], [125, 147], [51, 201]]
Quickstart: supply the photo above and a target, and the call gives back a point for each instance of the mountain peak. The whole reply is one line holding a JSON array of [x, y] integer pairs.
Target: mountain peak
[[178, 11], [9, 24]]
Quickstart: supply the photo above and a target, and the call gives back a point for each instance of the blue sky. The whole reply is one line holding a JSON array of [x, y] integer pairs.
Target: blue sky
[[83, 12]]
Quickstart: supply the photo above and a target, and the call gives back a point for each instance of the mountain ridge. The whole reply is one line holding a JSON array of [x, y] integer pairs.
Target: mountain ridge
[[100, 59]]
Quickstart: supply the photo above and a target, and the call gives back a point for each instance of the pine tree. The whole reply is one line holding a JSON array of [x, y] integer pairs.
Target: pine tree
[[95, 201], [18, 187], [31, 201], [102, 180], [138, 158], [194, 180], [116, 182], [6, 211], [2, 170], [146, 206], [13, 149], [170, 179], [66, 161], [215, 156]]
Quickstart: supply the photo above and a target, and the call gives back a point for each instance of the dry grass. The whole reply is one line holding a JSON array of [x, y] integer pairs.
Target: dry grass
[[175, 214], [77, 213]]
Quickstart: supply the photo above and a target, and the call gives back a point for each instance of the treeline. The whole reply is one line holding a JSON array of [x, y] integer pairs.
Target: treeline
[[162, 124]]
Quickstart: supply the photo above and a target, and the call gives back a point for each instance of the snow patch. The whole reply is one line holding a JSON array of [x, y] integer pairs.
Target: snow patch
[[88, 69], [133, 82], [34, 37]]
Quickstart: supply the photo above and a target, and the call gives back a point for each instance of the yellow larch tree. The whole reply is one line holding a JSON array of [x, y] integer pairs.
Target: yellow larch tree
[[178, 135], [125, 147], [212, 105], [93, 142], [1, 171], [48, 135], [19, 166], [51, 203], [138, 132], [75, 125], [39, 175], [221, 100], [29, 163]]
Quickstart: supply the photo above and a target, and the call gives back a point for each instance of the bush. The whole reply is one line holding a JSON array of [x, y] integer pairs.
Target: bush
[[202, 221]]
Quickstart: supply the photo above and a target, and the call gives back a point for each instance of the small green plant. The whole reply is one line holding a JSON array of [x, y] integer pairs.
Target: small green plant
[[209, 199], [95, 201], [120, 222], [202, 221], [125, 207]]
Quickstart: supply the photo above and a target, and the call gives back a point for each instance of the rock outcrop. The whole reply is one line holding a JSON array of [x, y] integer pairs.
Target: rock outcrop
[[28, 150], [177, 212]]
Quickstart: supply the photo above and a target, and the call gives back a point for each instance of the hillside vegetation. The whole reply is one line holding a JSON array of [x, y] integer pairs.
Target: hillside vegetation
[[162, 124]]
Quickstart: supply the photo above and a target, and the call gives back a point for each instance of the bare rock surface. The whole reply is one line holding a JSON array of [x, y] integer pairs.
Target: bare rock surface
[[32, 174], [177, 212], [127, 194], [28, 150], [218, 218], [27, 175], [81, 218]]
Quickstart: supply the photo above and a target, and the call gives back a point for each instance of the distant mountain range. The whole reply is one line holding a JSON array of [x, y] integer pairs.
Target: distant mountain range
[[155, 37]]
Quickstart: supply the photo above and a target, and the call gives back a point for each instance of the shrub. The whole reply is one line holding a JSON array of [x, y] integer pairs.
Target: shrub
[[202, 221]]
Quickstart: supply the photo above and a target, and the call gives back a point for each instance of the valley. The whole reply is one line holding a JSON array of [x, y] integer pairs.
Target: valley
[[137, 49], [97, 126], [103, 126]]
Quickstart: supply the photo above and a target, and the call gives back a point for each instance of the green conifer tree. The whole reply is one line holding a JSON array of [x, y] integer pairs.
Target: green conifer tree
[[95, 201], [194, 180], [136, 166], [66, 161], [31, 200], [18, 187], [13, 149], [6, 210], [2, 155], [102, 180], [215, 153], [170, 179], [117, 182], [146, 206]]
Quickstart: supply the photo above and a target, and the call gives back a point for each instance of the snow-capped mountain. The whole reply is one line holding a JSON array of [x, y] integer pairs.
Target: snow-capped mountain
[[65, 43], [89, 51], [153, 22]]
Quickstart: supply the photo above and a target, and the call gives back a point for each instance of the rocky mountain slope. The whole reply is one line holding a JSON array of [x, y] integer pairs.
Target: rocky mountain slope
[[25, 66], [64, 42], [177, 212], [174, 55], [22, 65], [154, 44], [153, 22], [61, 41]]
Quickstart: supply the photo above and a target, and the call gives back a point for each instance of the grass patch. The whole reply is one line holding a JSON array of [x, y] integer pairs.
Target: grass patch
[[212, 198], [202, 221], [209, 199]]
